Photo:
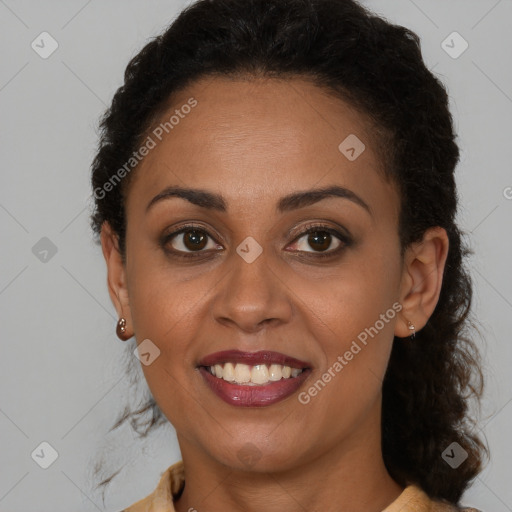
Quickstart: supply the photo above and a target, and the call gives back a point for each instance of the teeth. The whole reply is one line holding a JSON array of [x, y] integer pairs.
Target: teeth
[[259, 374], [242, 373], [253, 375], [228, 373], [275, 372]]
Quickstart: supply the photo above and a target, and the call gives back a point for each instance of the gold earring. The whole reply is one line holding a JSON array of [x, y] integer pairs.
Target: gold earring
[[411, 328], [121, 330]]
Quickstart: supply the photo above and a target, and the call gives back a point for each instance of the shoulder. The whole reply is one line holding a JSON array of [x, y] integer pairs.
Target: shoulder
[[415, 499], [441, 506], [170, 486], [438, 506]]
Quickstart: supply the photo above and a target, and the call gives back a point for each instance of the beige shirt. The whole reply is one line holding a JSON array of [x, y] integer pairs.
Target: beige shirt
[[171, 484]]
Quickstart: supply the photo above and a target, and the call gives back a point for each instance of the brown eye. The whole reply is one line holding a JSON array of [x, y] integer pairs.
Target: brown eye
[[189, 240], [193, 240], [320, 240]]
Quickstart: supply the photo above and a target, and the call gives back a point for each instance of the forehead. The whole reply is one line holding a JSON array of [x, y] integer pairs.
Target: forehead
[[259, 139]]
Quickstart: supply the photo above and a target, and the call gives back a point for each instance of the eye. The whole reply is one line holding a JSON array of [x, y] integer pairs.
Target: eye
[[189, 239], [321, 239]]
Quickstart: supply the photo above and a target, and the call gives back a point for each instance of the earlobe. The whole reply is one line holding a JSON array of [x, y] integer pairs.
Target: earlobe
[[422, 280], [116, 276]]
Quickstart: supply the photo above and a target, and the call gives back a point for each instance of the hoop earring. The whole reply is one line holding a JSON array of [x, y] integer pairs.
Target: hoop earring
[[411, 328], [121, 330]]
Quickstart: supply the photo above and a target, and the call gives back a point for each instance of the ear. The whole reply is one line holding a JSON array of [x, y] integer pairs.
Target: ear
[[422, 279], [116, 275]]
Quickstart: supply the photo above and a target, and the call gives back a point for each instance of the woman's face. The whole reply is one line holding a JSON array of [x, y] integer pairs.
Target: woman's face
[[250, 279]]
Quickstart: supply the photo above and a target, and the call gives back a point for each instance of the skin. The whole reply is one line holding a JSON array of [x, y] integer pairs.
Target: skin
[[255, 141]]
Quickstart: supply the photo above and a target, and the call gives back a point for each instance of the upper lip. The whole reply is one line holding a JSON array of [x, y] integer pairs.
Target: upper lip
[[252, 358]]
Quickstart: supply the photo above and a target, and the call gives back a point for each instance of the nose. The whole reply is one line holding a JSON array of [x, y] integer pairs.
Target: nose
[[252, 296]]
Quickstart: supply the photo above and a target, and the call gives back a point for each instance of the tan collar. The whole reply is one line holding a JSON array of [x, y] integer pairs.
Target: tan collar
[[169, 487]]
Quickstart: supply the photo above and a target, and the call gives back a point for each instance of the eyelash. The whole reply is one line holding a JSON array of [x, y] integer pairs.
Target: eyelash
[[309, 228]]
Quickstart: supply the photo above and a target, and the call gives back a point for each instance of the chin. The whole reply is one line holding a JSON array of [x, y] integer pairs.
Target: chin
[[258, 454]]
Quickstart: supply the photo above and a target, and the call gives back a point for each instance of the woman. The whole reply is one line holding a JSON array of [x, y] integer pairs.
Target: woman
[[275, 200]]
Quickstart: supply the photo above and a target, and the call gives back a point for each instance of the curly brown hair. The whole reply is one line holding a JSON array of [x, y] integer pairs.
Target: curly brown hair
[[378, 67]]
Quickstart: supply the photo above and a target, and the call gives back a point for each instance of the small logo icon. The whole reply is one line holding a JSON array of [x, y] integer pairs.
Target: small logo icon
[[352, 147], [454, 45], [249, 454], [44, 250], [44, 455], [146, 352], [44, 45], [249, 249], [455, 455]]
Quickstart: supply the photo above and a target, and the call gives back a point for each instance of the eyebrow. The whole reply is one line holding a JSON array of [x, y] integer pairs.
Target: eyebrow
[[301, 199]]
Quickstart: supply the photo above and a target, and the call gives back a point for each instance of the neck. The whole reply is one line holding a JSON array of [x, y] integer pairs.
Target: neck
[[351, 475]]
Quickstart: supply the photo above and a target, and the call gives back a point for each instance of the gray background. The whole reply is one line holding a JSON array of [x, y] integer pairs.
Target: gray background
[[62, 366]]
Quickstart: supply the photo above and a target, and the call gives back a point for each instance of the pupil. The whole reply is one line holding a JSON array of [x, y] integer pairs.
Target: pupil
[[195, 238], [321, 238]]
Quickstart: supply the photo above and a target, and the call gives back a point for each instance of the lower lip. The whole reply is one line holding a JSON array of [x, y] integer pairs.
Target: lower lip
[[253, 396]]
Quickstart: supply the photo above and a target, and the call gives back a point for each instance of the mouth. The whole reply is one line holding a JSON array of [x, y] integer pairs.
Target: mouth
[[253, 379]]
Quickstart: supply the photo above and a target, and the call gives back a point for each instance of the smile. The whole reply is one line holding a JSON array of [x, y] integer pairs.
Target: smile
[[257, 375], [253, 379]]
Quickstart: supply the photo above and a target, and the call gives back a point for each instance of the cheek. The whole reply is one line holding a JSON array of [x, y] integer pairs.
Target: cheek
[[356, 346], [353, 315], [166, 313], [353, 297], [161, 301]]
